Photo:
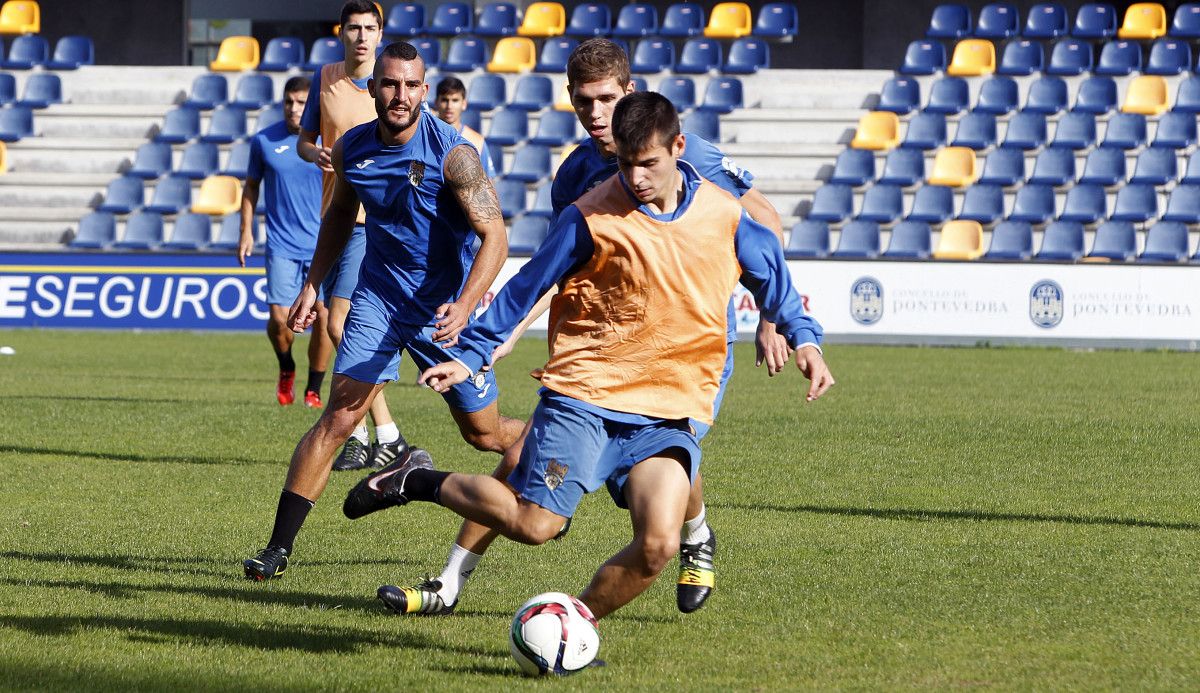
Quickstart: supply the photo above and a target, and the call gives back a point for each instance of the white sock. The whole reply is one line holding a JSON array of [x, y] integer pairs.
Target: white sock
[[387, 433], [361, 434], [695, 530], [459, 566]]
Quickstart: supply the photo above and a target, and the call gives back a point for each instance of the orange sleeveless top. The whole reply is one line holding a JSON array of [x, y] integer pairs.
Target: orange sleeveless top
[[343, 106]]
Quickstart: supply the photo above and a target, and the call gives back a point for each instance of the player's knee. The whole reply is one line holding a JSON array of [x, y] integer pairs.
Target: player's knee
[[655, 551], [336, 425], [537, 528], [484, 441]]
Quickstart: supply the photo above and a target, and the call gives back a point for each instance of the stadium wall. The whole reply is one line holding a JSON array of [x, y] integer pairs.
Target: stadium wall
[[129, 32]]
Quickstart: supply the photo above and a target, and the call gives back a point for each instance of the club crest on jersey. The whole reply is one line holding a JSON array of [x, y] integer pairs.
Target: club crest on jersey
[[555, 472], [416, 172]]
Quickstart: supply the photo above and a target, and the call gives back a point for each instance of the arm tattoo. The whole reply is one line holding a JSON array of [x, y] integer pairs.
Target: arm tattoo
[[464, 174]]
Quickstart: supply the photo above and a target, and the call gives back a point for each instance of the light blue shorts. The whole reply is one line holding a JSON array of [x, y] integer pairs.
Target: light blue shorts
[[342, 278], [285, 277]]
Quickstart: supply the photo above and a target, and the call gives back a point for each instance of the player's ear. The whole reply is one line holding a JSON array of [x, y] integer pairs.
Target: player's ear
[[371, 87], [630, 87], [678, 145]]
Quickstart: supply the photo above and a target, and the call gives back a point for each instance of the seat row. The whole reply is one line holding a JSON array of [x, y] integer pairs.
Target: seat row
[[41, 90], [146, 230], [1063, 241], [218, 194], [1069, 56], [1142, 20], [30, 51]]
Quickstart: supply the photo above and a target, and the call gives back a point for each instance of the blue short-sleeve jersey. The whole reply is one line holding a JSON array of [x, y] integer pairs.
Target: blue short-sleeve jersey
[[292, 187]]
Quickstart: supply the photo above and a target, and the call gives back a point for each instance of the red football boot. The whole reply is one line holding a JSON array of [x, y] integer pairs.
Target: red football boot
[[283, 390]]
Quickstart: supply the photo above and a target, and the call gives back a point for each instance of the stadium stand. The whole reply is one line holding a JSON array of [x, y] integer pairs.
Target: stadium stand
[[1075, 130], [707, 124], [1086, 203], [853, 167], [123, 195], [1169, 56], [925, 131], [486, 92], [900, 95], [1119, 58], [680, 90], [1003, 167], [172, 194], [1147, 95]]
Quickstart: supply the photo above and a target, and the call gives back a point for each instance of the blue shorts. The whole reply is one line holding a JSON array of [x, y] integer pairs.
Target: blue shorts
[[571, 452], [702, 428], [285, 277], [371, 346], [343, 276]]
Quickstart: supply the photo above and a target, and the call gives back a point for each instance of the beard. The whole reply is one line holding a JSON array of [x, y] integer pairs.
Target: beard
[[396, 124]]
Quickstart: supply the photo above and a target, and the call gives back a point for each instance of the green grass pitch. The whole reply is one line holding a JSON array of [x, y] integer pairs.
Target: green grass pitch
[[944, 518]]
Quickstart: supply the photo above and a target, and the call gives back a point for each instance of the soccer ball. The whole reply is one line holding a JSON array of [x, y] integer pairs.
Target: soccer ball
[[553, 633]]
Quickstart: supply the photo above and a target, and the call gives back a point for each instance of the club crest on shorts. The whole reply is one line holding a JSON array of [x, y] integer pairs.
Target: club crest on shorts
[[1046, 304], [416, 172], [866, 301], [555, 472], [478, 380]]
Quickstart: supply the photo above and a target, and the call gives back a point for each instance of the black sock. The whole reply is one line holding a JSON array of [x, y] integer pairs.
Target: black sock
[[315, 378], [286, 362], [293, 509], [424, 485]]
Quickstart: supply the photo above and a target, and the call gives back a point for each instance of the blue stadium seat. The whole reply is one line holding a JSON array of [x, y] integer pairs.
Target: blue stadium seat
[[1125, 131], [910, 240], [706, 124], [653, 55], [143, 231], [123, 195], [1155, 166], [238, 163], [466, 54], [190, 232], [1183, 205], [1003, 167], [1186, 22], [948, 95], [1191, 174], [1085, 203], [854, 167], [1026, 130], [1095, 21], [8, 89], [1136, 203], [253, 92], [1046, 21], [512, 196], [1187, 99], [900, 95], [151, 160], [832, 203], [1166, 241], [683, 19], [179, 125], [532, 93], [925, 131], [72, 51], [636, 20], [1062, 241], [809, 239], [924, 58], [983, 203], [998, 96], [473, 119], [556, 129], [1011, 240], [42, 89], [405, 19], [1034, 204], [497, 19], [1114, 240], [555, 52], [932, 204], [777, 20], [904, 167], [858, 239], [324, 51], [452, 19], [1075, 130], [200, 160], [976, 130], [487, 91], [509, 126], [1021, 57], [998, 20], [1096, 95], [722, 95], [1054, 166], [229, 233], [590, 19], [681, 91], [228, 124], [208, 91], [949, 22], [747, 56], [1104, 167], [430, 50], [26, 52], [1120, 58], [543, 204], [16, 122], [531, 163], [171, 195], [1169, 56], [268, 116], [1070, 57], [1047, 95], [528, 233], [282, 54], [882, 204], [96, 230], [699, 56]]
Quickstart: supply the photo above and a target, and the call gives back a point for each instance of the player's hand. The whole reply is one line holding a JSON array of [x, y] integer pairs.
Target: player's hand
[[304, 310], [812, 365], [451, 319], [245, 248], [770, 346], [444, 376], [325, 159]]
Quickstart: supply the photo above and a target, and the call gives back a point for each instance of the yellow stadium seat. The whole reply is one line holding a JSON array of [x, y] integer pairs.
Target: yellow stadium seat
[[513, 54], [972, 58], [543, 19], [954, 167], [960, 240], [1144, 20], [20, 17], [1147, 94], [729, 20], [236, 53], [219, 195], [3, 158], [877, 130], [563, 102]]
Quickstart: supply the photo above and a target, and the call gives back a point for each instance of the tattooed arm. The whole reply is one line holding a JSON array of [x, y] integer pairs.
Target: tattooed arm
[[465, 177]]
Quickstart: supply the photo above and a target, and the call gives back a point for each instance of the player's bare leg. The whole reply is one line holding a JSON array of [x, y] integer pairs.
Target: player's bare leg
[[486, 430]]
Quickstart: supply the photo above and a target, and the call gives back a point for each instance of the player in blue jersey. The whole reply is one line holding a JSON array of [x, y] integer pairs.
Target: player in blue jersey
[[426, 197], [293, 190]]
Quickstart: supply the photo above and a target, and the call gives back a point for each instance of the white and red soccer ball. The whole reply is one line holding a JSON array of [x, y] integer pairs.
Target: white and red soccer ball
[[553, 633]]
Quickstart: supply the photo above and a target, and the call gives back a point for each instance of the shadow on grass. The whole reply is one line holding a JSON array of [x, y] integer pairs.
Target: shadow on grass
[[221, 568], [973, 515], [132, 457], [509, 671], [618, 616]]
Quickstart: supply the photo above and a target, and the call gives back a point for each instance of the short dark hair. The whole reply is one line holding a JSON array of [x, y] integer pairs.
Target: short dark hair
[[353, 7], [451, 85], [596, 60], [297, 83], [641, 116], [398, 50]]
